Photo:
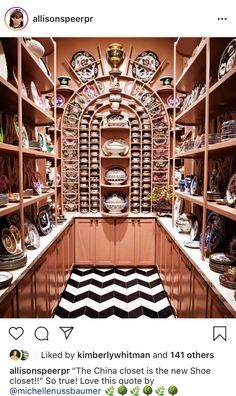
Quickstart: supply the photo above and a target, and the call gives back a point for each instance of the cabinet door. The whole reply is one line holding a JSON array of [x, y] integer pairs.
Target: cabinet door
[[52, 278], [60, 271], [168, 264], [215, 308], [104, 242], [72, 245], [175, 286], [158, 245], [144, 243], [26, 297], [124, 242], [41, 289], [84, 242], [66, 249], [185, 287], [198, 295], [8, 308], [162, 253]]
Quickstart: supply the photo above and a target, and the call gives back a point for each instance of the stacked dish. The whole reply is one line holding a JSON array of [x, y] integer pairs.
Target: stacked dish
[[5, 279], [3, 200], [228, 130], [220, 262], [12, 257]]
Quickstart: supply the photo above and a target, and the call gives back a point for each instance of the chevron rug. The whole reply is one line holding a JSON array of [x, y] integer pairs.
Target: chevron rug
[[114, 292]]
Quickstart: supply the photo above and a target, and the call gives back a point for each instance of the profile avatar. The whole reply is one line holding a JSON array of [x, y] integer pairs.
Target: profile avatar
[[15, 354], [16, 18]]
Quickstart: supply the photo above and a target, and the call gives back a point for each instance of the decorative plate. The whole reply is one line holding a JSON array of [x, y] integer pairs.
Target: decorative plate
[[23, 89], [84, 65], [36, 181], [214, 231], [178, 207], [34, 94], [194, 231], [33, 236], [44, 220], [5, 186], [60, 100], [170, 101], [3, 63], [193, 186], [16, 232], [192, 244], [231, 191], [115, 147], [148, 99], [90, 91], [44, 66], [42, 141], [227, 60], [25, 139], [145, 66], [225, 282], [9, 241], [5, 279]]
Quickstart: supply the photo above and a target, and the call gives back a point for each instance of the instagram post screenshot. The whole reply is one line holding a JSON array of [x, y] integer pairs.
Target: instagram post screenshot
[[117, 198]]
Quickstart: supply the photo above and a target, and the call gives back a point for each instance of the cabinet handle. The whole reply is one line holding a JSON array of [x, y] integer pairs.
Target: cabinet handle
[[138, 221], [132, 221], [96, 221], [91, 221]]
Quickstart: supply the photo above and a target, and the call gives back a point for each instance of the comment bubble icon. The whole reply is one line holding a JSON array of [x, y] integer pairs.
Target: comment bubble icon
[[41, 333]]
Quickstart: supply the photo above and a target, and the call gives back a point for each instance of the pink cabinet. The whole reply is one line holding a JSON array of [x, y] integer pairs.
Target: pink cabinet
[[198, 295], [175, 283], [144, 242], [124, 242], [185, 287], [104, 249], [215, 308], [41, 287], [26, 296], [84, 242]]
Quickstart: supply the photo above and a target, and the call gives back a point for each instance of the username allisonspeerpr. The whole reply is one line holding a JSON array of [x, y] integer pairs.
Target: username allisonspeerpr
[[62, 19]]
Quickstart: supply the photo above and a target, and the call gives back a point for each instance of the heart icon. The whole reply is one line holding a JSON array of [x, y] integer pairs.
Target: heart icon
[[16, 332]]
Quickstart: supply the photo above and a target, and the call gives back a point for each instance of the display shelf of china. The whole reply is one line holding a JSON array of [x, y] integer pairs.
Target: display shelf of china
[[193, 72], [10, 208], [223, 210], [186, 45], [34, 72], [110, 186], [114, 128], [35, 114], [194, 114], [191, 198], [197, 153], [222, 148], [36, 154], [6, 148], [217, 47], [38, 198]]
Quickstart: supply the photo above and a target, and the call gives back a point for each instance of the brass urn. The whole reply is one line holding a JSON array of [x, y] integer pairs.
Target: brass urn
[[115, 56]]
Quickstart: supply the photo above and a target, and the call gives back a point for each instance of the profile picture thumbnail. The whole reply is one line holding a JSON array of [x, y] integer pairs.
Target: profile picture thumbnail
[[16, 18], [15, 354]]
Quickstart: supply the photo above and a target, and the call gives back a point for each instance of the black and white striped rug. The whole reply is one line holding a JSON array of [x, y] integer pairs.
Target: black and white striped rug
[[114, 292]]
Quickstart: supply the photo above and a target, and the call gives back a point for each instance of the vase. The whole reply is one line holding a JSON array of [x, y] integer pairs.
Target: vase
[[115, 56]]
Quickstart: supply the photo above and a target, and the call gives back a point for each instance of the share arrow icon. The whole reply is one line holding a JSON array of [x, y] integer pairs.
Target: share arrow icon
[[67, 331]]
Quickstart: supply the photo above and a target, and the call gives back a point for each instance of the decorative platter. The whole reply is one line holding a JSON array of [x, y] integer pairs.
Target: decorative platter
[[44, 66], [16, 232], [5, 279], [231, 191], [170, 101], [194, 231], [192, 244], [33, 236], [227, 60], [60, 100], [178, 207], [84, 65], [145, 66], [214, 231], [193, 186], [44, 220], [25, 139], [34, 94], [23, 87], [225, 282], [3, 63], [42, 141], [9, 241], [36, 181]]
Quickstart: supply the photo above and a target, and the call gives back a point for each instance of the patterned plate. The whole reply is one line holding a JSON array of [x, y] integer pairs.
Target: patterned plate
[[9, 241], [214, 231], [60, 100], [227, 60], [36, 181], [16, 232], [85, 66], [231, 191], [5, 279], [145, 66], [44, 220], [33, 236]]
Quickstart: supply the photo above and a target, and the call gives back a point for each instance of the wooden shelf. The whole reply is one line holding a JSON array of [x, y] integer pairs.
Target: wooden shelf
[[222, 148], [191, 198], [115, 128], [115, 186], [196, 153], [32, 71], [34, 114], [194, 72], [6, 149], [223, 92], [36, 154], [194, 114], [8, 96], [65, 90], [11, 207], [186, 45], [168, 89], [223, 210], [38, 198]]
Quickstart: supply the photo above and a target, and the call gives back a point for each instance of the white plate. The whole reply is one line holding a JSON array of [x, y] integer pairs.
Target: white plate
[[5, 278], [194, 231], [34, 94], [3, 63]]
